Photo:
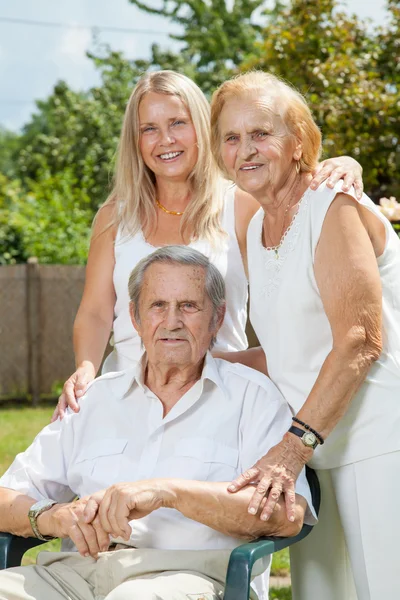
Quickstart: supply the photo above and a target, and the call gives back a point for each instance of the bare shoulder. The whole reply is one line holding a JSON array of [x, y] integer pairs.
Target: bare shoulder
[[103, 222], [347, 217]]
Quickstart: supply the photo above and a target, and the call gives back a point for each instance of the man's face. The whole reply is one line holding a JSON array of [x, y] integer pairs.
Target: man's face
[[175, 315]]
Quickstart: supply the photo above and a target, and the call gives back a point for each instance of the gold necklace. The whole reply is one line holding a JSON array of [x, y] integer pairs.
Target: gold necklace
[[277, 246], [169, 212]]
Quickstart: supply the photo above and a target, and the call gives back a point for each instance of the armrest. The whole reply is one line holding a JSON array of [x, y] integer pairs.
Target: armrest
[[12, 549], [242, 559]]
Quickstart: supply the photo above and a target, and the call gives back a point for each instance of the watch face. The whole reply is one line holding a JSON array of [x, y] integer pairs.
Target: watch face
[[309, 439], [40, 505]]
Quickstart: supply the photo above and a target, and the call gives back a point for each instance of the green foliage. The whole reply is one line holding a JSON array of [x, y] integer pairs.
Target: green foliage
[[280, 563], [12, 248], [79, 131], [45, 218], [9, 143], [217, 36], [280, 593], [339, 65], [57, 171]]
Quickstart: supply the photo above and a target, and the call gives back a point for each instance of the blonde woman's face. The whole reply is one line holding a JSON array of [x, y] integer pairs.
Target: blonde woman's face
[[168, 140], [255, 146]]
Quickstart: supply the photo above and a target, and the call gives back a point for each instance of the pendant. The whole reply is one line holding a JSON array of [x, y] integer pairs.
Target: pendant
[[276, 253]]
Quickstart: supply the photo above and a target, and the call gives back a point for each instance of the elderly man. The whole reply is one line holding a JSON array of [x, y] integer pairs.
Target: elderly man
[[174, 429]]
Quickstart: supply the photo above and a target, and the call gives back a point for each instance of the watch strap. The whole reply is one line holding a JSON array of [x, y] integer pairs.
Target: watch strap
[[33, 516], [301, 433]]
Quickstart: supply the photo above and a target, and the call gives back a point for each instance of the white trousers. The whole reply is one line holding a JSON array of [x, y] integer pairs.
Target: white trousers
[[353, 553]]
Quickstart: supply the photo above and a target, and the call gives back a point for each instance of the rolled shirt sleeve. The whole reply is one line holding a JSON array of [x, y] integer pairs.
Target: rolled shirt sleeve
[[41, 471]]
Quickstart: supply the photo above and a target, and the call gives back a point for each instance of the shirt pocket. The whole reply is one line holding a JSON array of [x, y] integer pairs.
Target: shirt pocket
[[102, 461], [201, 459]]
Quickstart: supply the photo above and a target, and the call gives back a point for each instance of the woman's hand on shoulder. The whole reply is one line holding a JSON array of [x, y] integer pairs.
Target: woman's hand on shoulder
[[275, 474], [335, 169], [73, 389]]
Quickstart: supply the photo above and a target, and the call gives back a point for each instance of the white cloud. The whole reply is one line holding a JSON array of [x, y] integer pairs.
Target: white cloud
[[74, 43]]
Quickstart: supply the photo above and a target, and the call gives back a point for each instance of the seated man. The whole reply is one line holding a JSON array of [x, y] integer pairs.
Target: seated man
[[175, 429]]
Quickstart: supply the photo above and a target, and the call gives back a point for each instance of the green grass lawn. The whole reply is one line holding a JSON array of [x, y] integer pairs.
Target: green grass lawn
[[19, 426]]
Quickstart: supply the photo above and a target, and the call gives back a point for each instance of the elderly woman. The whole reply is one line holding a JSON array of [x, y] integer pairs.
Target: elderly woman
[[167, 190], [324, 275]]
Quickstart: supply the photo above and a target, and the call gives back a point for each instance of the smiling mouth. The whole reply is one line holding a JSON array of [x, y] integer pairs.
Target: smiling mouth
[[169, 156], [250, 167]]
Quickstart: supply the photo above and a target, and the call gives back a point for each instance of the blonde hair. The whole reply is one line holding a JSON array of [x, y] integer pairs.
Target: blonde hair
[[134, 192], [291, 107]]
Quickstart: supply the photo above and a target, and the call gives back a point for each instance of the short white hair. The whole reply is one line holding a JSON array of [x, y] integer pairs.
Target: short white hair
[[180, 255]]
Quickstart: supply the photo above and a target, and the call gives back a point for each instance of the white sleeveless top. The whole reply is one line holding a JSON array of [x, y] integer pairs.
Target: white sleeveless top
[[287, 314], [130, 249]]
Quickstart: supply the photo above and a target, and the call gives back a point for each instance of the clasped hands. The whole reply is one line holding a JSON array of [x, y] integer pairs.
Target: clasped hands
[[92, 521]]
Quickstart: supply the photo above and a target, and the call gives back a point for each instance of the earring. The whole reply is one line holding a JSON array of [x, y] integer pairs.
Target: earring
[[298, 167]]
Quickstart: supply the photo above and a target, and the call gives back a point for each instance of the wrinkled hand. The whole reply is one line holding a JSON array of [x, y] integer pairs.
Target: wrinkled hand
[[74, 388], [122, 502], [67, 520], [335, 169], [275, 474]]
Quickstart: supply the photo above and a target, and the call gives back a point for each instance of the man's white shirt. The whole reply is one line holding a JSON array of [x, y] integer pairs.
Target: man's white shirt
[[218, 429]]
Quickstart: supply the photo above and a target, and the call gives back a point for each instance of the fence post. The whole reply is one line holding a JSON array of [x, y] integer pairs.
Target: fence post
[[33, 305]]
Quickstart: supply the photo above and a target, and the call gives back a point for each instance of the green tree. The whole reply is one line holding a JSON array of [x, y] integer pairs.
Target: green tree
[[79, 131], [44, 219], [12, 248], [216, 37], [337, 63]]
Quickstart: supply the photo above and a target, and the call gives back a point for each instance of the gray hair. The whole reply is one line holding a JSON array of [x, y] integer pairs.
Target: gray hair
[[181, 255]]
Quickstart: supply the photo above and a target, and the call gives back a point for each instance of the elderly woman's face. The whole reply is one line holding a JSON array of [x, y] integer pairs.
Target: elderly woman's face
[[168, 140], [256, 149]]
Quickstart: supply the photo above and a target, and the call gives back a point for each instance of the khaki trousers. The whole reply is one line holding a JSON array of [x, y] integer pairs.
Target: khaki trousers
[[128, 574]]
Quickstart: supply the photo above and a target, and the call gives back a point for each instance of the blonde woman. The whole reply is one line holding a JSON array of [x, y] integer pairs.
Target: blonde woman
[[167, 190], [325, 305]]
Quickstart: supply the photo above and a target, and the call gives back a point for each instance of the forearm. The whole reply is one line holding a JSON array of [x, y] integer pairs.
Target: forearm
[[211, 504], [340, 377], [253, 357], [91, 335], [14, 508]]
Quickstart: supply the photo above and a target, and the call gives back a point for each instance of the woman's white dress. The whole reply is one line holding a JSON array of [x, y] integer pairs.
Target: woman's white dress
[[227, 258], [288, 317]]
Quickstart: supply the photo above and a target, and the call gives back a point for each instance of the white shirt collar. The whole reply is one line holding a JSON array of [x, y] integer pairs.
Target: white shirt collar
[[210, 372]]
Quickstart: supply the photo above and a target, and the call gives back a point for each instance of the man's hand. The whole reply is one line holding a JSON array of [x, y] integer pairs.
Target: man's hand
[[275, 474], [122, 502], [66, 520]]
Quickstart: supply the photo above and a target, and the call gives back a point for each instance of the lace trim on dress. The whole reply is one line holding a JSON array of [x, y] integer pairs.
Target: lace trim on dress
[[274, 261]]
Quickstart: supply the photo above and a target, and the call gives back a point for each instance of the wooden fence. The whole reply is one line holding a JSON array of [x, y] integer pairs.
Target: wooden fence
[[38, 304]]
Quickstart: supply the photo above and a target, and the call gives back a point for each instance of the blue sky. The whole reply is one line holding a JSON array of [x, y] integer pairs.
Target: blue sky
[[33, 58]]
